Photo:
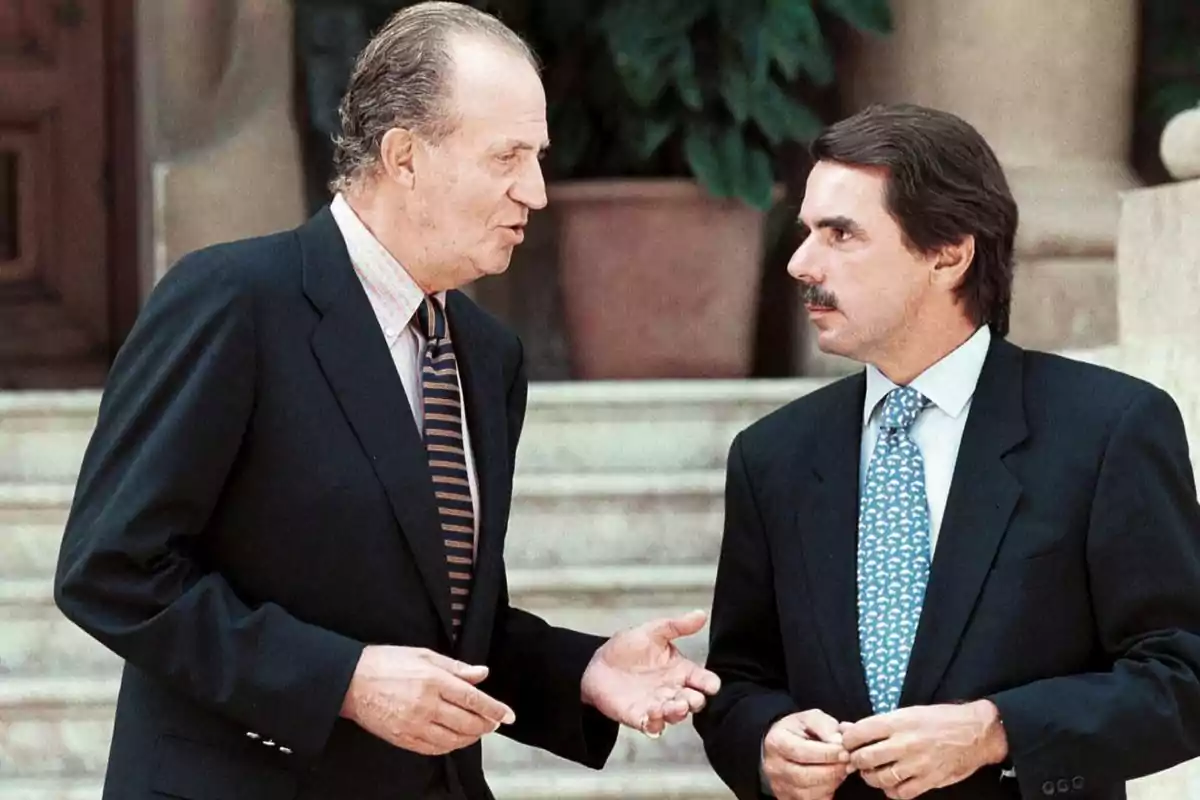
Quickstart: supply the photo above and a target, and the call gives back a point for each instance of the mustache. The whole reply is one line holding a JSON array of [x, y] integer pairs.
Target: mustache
[[813, 295]]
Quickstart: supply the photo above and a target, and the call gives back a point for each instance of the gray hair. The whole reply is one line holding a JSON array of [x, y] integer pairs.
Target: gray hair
[[401, 79]]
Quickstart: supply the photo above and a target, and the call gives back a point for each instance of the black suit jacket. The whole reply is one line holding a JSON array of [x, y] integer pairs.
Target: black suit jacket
[[254, 507], [1065, 584]]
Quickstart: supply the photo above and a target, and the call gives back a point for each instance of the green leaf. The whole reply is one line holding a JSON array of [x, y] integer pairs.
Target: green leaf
[[758, 179], [700, 150], [683, 69], [736, 90], [647, 134], [874, 16], [781, 118], [756, 52], [795, 41]]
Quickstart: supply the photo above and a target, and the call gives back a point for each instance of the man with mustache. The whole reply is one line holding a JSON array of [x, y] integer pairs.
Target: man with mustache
[[970, 570], [290, 519]]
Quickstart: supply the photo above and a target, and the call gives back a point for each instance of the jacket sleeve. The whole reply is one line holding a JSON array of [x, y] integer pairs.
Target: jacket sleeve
[[745, 649], [1141, 715], [536, 668], [174, 413]]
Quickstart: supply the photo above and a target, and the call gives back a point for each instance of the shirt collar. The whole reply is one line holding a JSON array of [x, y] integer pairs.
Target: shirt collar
[[394, 295], [949, 384]]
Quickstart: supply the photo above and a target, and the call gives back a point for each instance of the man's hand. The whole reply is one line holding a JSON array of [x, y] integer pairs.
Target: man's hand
[[421, 700], [913, 750], [803, 757], [640, 679]]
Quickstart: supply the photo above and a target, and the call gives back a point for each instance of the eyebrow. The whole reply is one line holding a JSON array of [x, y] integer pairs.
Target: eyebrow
[[514, 144], [841, 222]]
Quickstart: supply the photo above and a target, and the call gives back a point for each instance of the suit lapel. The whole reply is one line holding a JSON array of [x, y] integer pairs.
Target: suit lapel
[[354, 357], [828, 533], [484, 396], [983, 495]]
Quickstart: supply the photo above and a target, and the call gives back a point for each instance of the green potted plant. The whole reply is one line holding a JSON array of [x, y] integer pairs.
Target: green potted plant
[[665, 118]]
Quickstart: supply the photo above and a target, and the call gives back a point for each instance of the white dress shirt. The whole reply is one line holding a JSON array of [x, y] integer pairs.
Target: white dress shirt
[[950, 385], [394, 297]]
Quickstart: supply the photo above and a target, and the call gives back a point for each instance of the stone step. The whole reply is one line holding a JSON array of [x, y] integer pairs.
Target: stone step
[[59, 717], [57, 727], [43, 434], [556, 520], [683, 783], [640, 426], [37, 640]]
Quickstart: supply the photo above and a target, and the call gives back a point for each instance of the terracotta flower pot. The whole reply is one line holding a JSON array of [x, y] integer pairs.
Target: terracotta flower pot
[[659, 279]]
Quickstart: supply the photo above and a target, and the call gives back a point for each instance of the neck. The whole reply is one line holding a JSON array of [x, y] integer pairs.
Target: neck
[[920, 350], [397, 233]]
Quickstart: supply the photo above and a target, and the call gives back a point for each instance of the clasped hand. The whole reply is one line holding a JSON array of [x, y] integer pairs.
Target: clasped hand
[[905, 753]]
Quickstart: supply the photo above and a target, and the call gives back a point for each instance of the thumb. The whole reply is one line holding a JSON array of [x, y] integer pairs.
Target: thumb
[[822, 726], [676, 627], [472, 673]]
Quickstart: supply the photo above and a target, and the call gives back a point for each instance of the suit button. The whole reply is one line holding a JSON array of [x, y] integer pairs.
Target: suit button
[[1077, 783], [270, 743], [1048, 788], [1064, 785], [287, 751], [251, 735]]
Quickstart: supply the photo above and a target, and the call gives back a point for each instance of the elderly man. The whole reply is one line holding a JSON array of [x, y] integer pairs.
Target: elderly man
[[970, 570], [290, 520]]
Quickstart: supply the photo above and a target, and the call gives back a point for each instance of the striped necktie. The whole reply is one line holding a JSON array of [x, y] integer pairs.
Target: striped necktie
[[447, 456]]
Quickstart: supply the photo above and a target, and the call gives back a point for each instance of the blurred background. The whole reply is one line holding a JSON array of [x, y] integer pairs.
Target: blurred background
[[651, 295]]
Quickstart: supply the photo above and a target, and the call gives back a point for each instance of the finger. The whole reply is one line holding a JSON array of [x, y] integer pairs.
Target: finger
[[803, 780], [800, 750], [879, 754], [695, 700], [703, 680], [473, 673], [438, 739], [463, 722], [466, 696], [652, 722], [867, 731], [667, 630], [821, 726], [676, 710]]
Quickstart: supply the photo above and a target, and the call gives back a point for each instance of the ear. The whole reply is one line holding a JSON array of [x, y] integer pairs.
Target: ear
[[396, 151], [952, 262]]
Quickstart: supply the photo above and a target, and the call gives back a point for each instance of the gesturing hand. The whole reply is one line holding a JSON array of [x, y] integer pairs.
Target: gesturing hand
[[421, 700], [640, 679], [803, 757]]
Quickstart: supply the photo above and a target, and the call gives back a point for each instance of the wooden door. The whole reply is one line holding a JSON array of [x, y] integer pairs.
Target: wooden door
[[57, 191]]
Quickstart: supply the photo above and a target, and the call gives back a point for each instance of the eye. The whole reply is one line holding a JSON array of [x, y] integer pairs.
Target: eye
[[509, 157], [839, 234]]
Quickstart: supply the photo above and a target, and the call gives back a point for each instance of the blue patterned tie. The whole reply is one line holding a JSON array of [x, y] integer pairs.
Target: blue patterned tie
[[893, 549]]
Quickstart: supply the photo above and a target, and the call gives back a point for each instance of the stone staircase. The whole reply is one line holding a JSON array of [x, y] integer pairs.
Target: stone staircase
[[616, 519]]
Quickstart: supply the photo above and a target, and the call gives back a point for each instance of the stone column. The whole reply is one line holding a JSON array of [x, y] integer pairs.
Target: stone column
[[218, 122], [1159, 304], [1050, 86]]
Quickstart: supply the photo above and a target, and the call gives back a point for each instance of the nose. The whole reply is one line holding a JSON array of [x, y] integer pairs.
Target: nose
[[803, 265], [530, 188]]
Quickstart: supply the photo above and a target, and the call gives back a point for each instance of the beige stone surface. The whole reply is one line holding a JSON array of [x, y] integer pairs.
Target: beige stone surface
[[219, 124], [1159, 294]]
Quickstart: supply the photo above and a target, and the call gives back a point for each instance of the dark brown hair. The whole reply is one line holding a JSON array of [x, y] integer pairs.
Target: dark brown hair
[[943, 183]]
